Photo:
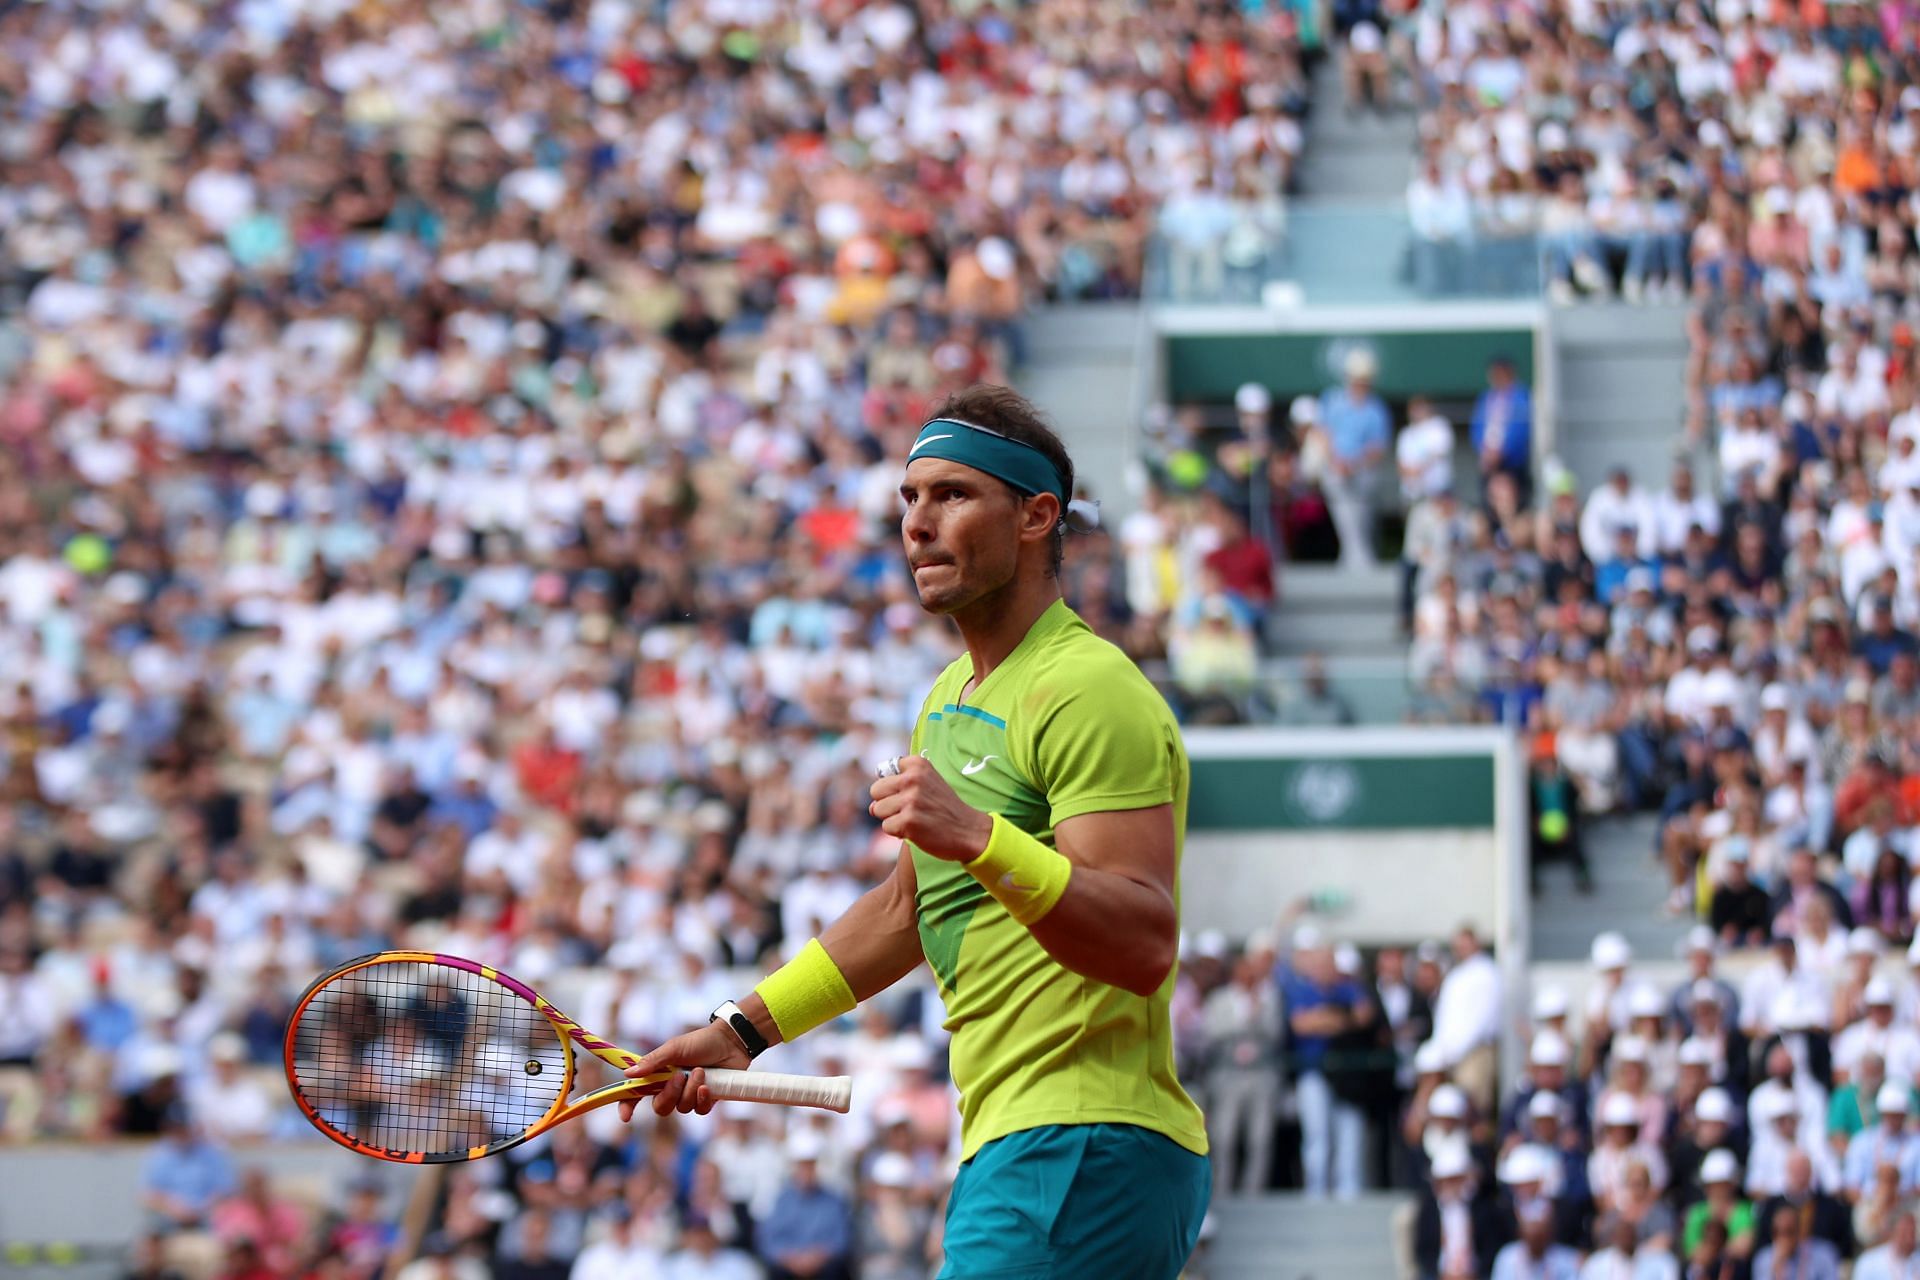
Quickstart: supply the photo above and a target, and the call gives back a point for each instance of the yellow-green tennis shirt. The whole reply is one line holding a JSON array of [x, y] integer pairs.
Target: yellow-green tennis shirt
[[1066, 725]]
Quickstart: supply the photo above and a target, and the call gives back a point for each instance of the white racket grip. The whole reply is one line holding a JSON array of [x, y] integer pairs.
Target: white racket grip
[[829, 1093]]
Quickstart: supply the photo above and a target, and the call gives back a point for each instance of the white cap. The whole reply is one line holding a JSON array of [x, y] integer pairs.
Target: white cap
[[1308, 938], [1775, 1105], [1430, 1057], [996, 258], [1619, 1111], [1695, 1052], [1645, 1002], [1304, 411], [1776, 697], [1452, 1160], [1553, 136], [1704, 992], [1252, 397], [1864, 942], [1630, 1049], [1360, 363], [1549, 1050], [1892, 1097], [227, 1047], [1447, 1103], [1719, 1166], [1544, 1104], [1549, 1002], [1700, 938], [891, 1169], [1346, 959], [1879, 991], [1611, 951], [1713, 1106], [805, 1144], [1526, 1163]]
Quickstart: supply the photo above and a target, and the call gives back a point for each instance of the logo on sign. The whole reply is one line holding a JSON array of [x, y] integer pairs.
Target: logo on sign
[[1325, 791]]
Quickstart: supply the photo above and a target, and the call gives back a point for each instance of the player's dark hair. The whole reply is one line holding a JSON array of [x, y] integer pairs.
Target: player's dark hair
[[1011, 414]]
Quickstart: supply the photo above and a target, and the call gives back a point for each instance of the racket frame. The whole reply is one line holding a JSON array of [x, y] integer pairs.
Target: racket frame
[[566, 1030]]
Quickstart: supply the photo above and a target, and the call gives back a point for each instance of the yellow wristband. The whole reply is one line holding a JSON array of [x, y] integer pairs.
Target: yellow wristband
[[1023, 875], [806, 991]]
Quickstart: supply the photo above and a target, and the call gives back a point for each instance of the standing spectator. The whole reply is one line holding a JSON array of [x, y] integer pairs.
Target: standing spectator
[[1357, 431], [1501, 431], [1320, 1006], [809, 1231], [1242, 1021], [1467, 1018]]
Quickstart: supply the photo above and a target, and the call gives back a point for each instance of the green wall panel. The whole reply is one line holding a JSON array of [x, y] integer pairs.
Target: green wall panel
[[1210, 367], [1369, 793]]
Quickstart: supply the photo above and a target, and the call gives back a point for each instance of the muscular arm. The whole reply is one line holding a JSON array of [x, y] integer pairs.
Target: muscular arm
[[1116, 922], [875, 944]]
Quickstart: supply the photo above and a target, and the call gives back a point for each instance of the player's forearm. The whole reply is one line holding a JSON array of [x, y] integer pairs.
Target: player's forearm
[[1113, 930], [874, 945]]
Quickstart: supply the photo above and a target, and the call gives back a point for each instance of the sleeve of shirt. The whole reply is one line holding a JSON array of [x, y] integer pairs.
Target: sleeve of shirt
[[1103, 748]]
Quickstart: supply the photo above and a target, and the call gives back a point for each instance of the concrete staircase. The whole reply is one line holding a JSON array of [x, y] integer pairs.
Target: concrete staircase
[[1082, 369], [1364, 157], [1621, 392], [1288, 1237], [1629, 891], [1336, 612]]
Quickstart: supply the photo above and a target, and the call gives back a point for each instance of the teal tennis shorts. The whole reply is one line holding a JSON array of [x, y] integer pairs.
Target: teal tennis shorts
[[1101, 1201]]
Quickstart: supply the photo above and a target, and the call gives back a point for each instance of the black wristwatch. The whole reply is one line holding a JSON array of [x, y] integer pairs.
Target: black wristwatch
[[750, 1038]]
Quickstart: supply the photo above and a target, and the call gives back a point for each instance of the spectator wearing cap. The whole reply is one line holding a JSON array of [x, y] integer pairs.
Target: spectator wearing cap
[[1242, 1072], [1537, 1254], [618, 1252], [227, 1104], [1619, 1122], [1715, 1034], [1457, 1229], [1547, 1076], [1708, 1125], [1721, 1203], [1358, 431], [1466, 1019], [809, 1230], [1630, 1072], [1702, 954], [1626, 1256], [1899, 1257], [1877, 1032], [1322, 1005], [893, 1227], [1891, 1140], [1609, 956]]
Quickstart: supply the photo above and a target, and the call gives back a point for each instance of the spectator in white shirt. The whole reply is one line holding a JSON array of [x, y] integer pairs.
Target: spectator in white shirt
[[1424, 451], [1466, 1019], [1678, 508], [1615, 505]]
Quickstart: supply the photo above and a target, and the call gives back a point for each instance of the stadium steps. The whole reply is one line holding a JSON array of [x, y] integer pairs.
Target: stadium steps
[[1621, 389], [1366, 157], [1333, 611], [1288, 1237], [1629, 893], [1082, 369]]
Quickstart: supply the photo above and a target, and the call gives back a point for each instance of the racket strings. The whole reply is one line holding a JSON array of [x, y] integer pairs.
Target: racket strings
[[417, 1057]]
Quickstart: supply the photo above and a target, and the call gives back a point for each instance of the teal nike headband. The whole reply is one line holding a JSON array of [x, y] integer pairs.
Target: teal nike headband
[[1002, 457]]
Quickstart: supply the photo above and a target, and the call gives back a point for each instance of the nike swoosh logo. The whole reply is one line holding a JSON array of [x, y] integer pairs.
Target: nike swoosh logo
[[924, 441], [972, 767], [1008, 882]]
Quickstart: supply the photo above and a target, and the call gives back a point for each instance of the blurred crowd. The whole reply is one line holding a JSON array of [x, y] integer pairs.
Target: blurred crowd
[[447, 480]]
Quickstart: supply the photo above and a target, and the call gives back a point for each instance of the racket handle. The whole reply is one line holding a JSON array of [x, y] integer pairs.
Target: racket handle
[[829, 1093]]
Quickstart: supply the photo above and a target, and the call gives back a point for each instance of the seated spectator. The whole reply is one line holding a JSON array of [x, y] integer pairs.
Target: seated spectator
[[273, 1226], [1625, 1255], [185, 1176], [1457, 1232], [1789, 1252], [1536, 1255], [1894, 1259], [1822, 1217], [1889, 1142], [1723, 1207], [808, 1231]]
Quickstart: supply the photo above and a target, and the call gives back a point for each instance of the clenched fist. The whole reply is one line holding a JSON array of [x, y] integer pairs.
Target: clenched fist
[[916, 804]]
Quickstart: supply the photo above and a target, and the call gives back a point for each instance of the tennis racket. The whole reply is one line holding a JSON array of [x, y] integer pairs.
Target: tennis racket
[[421, 1058]]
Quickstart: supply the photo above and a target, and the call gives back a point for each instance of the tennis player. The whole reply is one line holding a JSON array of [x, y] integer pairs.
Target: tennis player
[[1041, 815]]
